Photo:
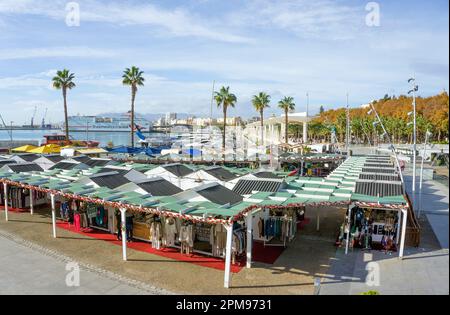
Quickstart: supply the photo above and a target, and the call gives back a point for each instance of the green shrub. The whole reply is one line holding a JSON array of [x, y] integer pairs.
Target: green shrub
[[371, 292]]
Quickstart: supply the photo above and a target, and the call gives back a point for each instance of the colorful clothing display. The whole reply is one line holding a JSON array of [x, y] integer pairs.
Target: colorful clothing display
[[283, 228], [19, 198]]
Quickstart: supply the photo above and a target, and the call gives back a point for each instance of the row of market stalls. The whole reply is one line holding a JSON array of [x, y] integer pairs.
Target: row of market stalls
[[316, 165], [227, 208]]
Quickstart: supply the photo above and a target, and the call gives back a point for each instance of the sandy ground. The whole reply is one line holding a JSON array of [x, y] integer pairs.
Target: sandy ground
[[293, 273]]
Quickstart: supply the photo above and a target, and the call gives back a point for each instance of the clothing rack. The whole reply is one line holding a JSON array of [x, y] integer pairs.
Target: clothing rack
[[268, 239]]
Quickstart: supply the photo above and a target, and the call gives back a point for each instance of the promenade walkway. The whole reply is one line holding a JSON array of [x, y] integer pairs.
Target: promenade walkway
[[28, 269]]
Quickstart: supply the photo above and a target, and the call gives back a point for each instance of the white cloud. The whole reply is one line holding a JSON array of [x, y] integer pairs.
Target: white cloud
[[177, 22], [324, 19], [51, 52], [43, 80], [32, 80]]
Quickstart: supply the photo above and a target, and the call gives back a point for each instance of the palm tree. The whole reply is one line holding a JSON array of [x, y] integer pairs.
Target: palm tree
[[286, 104], [64, 81], [133, 78], [260, 103], [224, 99]]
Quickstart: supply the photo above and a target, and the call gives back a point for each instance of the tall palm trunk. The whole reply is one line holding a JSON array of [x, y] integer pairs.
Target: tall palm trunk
[[66, 116], [286, 122], [133, 97], [224, 131], [262, 128]]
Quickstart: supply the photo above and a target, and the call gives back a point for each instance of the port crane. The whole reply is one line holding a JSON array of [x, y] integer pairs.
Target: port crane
[[6, 128], [32, 118], [43, 118]]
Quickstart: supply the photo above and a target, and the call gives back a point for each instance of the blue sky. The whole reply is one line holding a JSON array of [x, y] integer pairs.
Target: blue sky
[[282, 47]]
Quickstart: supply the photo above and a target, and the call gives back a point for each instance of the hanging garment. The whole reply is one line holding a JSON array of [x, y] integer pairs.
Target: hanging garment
[[77, 221], [261, 228], [170, 232], [100, 216], [155, 234], [74, 206], [129, 225], [239, 242], [187, 235], [221, 239]]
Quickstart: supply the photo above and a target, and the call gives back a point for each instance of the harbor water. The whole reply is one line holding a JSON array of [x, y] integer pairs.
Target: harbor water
[[117, 138]]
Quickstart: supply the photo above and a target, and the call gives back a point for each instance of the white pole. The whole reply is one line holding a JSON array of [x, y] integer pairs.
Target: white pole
[[227, 280], [52, 198], [421, 172], [123, 225], [399, 214], [5, 189], [305, 124], [249, 239], [31, 202], [403, 227], [318, 220], [347, 131], [415, 143], [347, 242]]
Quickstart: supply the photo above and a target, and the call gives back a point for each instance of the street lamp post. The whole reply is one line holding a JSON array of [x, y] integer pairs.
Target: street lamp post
[[347, 131], [413, 91], [427, 135], [305, 124]]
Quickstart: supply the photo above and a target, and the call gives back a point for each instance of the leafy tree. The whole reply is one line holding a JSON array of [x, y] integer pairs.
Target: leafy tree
[[64, 81], [286, 104], [133, 77], [432, 114], [260, 103], [224, 99], [321, 109]]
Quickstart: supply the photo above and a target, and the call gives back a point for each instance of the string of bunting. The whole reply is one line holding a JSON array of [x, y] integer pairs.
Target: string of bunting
[[194, 219], [119, 205], [378, 205]]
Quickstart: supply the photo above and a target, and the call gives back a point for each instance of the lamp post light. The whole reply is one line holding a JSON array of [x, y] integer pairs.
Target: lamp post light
[[413, 91]]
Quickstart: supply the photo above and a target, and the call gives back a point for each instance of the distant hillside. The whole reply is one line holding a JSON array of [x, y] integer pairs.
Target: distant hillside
[[432, 115]]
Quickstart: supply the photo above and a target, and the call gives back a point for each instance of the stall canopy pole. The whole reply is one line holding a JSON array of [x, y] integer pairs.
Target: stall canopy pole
[[349, 220], [52, 198], [31, 202], [123, 225], [318, 220], [399, 218], [249, 239], [5, 189], [402, 242], [227, 280]]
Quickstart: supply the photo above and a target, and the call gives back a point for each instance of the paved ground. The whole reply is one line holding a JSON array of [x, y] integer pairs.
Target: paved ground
[[424, 270], [433, 203], [28, 270], [292, 273]]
